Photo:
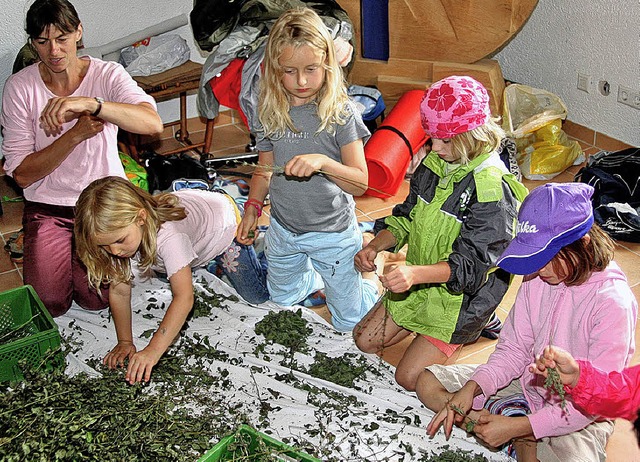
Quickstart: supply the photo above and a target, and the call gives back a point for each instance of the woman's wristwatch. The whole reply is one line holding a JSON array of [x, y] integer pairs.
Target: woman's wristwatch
[[99, 100]]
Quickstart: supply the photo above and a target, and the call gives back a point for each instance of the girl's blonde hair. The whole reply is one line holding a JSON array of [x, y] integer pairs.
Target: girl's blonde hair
[[584, 256], [482, 139], [108, 205], [297, 28]]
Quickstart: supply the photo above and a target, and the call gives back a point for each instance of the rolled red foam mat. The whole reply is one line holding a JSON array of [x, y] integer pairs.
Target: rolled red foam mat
[[390, 148]]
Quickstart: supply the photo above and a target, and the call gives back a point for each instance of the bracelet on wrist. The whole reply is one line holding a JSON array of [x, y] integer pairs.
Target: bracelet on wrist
[[255, 204]]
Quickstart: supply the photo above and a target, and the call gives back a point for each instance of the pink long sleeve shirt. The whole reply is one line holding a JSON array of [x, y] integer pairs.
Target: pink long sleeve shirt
[[25, 96], [616, 394], [594, 321]]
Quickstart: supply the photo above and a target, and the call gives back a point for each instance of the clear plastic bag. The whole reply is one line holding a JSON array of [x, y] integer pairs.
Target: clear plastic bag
[[533, 118], [527, 109], [154, 55]]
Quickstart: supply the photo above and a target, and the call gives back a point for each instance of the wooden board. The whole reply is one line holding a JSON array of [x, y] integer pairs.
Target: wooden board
[[461, 31], [432, 39], [396, 76]]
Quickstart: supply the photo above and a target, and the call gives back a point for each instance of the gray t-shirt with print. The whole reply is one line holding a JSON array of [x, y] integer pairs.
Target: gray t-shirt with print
[[304, 205]]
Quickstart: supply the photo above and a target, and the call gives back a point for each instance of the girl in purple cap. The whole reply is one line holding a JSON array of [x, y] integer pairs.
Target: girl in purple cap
[[573, 296], [459, 216]]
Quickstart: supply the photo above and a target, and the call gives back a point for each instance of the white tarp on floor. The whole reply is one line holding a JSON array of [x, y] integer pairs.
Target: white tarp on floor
[[382, 422]]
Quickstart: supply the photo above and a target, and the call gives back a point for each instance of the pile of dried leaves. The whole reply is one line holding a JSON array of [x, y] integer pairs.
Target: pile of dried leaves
[[291, 330], [287, 328], [53, 416], [450, 455]]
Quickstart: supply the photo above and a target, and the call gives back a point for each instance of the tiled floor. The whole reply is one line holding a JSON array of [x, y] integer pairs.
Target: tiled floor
[[230, 137]]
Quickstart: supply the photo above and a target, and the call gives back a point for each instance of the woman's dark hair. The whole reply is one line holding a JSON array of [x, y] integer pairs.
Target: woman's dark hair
[[636, 427], [44, 13]]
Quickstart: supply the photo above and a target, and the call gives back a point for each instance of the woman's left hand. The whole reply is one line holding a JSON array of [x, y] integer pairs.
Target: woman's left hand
[[399, 279]]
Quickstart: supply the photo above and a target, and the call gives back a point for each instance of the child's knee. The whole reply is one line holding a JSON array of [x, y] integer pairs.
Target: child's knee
[[430, 390], [426, 381], [364, 339], [407, 378]]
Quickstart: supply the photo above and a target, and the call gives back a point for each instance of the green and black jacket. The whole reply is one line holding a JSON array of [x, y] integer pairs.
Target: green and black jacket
[[465, 217]]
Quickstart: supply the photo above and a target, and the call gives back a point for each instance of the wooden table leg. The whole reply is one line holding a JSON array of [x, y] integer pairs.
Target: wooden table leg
[[183, 133], [208, 138]]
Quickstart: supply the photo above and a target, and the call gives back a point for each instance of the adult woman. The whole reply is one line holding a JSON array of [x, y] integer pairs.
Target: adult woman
[[60, 117]]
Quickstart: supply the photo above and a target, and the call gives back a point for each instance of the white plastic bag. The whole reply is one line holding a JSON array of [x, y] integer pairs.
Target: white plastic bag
[[526, 109], [154, 55]]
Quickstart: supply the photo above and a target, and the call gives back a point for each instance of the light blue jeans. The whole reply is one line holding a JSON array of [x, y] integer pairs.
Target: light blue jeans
[[302, 263]]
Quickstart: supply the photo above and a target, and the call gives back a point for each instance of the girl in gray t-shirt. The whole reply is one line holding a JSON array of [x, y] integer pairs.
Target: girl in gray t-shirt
[[311, 144]]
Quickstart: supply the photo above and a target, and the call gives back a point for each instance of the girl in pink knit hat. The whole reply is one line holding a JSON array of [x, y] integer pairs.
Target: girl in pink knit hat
[[459, 216]]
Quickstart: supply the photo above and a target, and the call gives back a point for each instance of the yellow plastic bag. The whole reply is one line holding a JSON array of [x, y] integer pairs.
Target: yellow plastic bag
[[547, 152], [533, 118]]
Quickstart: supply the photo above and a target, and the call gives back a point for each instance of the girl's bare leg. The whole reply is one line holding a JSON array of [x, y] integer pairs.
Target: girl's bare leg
[[526, 450], [420, 354], [431, 391], [377, 331]]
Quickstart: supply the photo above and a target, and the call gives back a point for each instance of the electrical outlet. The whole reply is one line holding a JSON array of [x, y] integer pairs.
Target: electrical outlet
[[629, 96], [584, 82]]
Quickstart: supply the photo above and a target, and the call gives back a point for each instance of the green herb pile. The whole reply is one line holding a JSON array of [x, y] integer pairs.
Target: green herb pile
[[342, 370], [287, 328], [290, 329], [450, 455], [52, 416]]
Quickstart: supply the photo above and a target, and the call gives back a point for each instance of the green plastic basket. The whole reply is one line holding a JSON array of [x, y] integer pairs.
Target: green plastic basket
[[251, 445], [28, 336]]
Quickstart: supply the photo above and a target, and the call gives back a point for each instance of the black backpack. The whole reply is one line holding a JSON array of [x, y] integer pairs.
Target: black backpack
[[163, 170], [615, 177]]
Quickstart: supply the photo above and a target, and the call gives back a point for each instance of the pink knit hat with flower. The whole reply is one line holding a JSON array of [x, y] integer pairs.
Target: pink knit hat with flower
[[454, 105]]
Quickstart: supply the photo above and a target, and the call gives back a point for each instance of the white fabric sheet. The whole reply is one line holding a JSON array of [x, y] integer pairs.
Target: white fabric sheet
[[400, 417]]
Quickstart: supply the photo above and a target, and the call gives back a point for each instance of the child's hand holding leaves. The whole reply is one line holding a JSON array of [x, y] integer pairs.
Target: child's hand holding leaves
[[556, 358], [454, 410]]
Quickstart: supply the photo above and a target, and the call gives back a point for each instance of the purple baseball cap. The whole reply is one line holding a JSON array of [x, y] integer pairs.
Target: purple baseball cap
[[552, 216]]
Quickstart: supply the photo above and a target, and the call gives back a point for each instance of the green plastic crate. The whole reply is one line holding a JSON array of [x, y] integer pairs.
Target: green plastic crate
[[28, 334], [255, 446]]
